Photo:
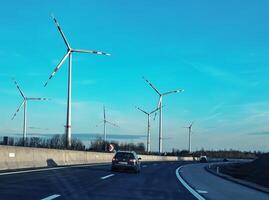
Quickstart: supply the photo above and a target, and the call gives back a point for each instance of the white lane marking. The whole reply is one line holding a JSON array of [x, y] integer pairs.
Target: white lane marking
[[51, 197], [144, 165], [105, 177], [155, 164], [48, 169], [202, 191], [192, 191]]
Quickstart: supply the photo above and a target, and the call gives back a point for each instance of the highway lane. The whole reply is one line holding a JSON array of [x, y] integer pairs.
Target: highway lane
[[217, 188], [156, 181]]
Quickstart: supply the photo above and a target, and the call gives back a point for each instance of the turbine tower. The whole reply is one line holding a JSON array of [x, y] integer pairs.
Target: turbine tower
[[104, 123], [190, 131], [160, 111], [24, 104], [68, 54], [148, 129]]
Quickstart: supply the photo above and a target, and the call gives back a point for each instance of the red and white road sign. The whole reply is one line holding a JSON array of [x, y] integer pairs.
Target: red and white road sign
[[111, 147]]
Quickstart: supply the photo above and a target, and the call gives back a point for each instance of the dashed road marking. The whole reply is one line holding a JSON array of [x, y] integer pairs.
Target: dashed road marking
[[105, 177], [202, 191], [51, 197], [144, 165]]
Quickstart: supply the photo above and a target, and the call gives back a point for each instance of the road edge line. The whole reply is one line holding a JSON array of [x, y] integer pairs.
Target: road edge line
[[189, 188], [107, 176]]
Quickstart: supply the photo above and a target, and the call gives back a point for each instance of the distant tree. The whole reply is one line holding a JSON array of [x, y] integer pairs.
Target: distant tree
[[35, 142], [76, 144]]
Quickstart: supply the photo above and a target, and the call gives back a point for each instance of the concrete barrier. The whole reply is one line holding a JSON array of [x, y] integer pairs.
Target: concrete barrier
[[12, 157]]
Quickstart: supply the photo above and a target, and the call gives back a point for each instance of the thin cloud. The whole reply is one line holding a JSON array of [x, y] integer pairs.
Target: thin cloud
[[259, 133], [219, 74]]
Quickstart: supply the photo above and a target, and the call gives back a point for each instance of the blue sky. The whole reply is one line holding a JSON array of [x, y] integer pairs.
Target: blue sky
[[216, 50]]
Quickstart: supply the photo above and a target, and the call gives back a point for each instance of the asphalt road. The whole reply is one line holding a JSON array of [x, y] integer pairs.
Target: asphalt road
[[217, 188], [156, 181]]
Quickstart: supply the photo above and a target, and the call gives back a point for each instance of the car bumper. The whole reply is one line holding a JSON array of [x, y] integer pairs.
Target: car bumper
[[124, 166]]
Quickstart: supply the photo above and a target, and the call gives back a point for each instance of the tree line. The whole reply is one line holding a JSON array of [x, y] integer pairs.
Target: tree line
[[58, 142], [235, 154]]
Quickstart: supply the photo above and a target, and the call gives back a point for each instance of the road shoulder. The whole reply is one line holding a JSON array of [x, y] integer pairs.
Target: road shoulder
[[238, 181]]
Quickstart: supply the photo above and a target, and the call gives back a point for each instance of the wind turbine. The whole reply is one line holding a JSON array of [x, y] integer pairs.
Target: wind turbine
[[68, 54], [160, 110], [190, 131], [105, 122], [24, 104], [148, 131]]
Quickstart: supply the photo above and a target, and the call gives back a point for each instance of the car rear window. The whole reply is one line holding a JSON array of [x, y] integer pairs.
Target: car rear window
[[122, 155]]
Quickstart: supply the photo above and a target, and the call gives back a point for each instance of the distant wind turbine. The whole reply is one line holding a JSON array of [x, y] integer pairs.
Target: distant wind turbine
[[190, 131], [24, 103], [105, 121], [68, 54], [160, 110], [148, 129]]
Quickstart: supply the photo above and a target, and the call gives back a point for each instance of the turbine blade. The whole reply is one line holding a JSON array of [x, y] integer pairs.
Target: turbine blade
[[100, 123], [18, 110], [17, 85], [58, 67], [191, 124], [155, 115], [159, 103], [154, 111], [174, 91], [112, 124], [151, 85], [91, 52], [158, 108], [61, 32], [142, 110], [40, 99]]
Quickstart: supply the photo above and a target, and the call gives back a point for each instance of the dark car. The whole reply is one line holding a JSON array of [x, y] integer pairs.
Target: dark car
[[126, 160], [203, 159]]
